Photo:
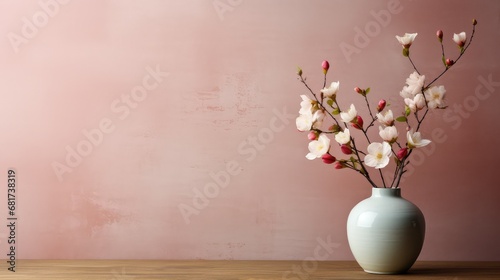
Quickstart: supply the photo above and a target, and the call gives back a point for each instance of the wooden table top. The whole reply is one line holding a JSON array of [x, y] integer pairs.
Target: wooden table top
[[240, 270]]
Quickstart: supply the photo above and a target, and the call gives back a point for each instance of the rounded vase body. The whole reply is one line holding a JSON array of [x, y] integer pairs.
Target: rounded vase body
[[386, 232]]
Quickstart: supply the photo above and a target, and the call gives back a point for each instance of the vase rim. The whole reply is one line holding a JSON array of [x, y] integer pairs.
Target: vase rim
[[386, 192]]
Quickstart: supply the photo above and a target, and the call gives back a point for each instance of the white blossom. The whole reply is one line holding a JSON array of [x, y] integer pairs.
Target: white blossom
[[435, 96], [378, 155], [317, 148], [331, 90], [349, 115], [415, 140]]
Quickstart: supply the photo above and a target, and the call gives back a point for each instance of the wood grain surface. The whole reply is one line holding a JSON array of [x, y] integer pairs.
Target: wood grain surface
[[240, 270]]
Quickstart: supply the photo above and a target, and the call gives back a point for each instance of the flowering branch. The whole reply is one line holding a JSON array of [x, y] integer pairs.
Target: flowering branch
[[460, 39], [417, 97]]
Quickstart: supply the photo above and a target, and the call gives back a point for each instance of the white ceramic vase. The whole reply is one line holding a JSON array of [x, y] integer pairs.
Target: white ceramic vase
[[386, 232]]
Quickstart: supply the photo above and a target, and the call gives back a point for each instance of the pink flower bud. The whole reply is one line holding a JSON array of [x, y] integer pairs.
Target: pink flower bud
[[313, 135], [381, 105], [328, 159], [358, 123], [439, 34], [338, 165], [346, 149], [449, 62], [401, 154], [358, 90], [325, 65]]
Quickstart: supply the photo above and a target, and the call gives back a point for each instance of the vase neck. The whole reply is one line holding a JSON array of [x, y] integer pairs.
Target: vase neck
[[386, 192]]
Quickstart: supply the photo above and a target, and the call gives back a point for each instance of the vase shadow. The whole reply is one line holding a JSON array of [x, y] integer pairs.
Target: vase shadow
[[451, 271]]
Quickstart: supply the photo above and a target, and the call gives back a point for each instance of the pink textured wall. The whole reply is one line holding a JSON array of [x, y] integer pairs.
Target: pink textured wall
[[117, 114]]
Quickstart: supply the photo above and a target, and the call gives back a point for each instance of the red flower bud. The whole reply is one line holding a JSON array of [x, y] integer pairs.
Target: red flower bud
[[449, 62], [328, 159], [358, 123], [313, 135], [359, 120], [358, 90], [346, 149], [401, 154], [325, 65], [338, 165], [439, 34], [381, 105]]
